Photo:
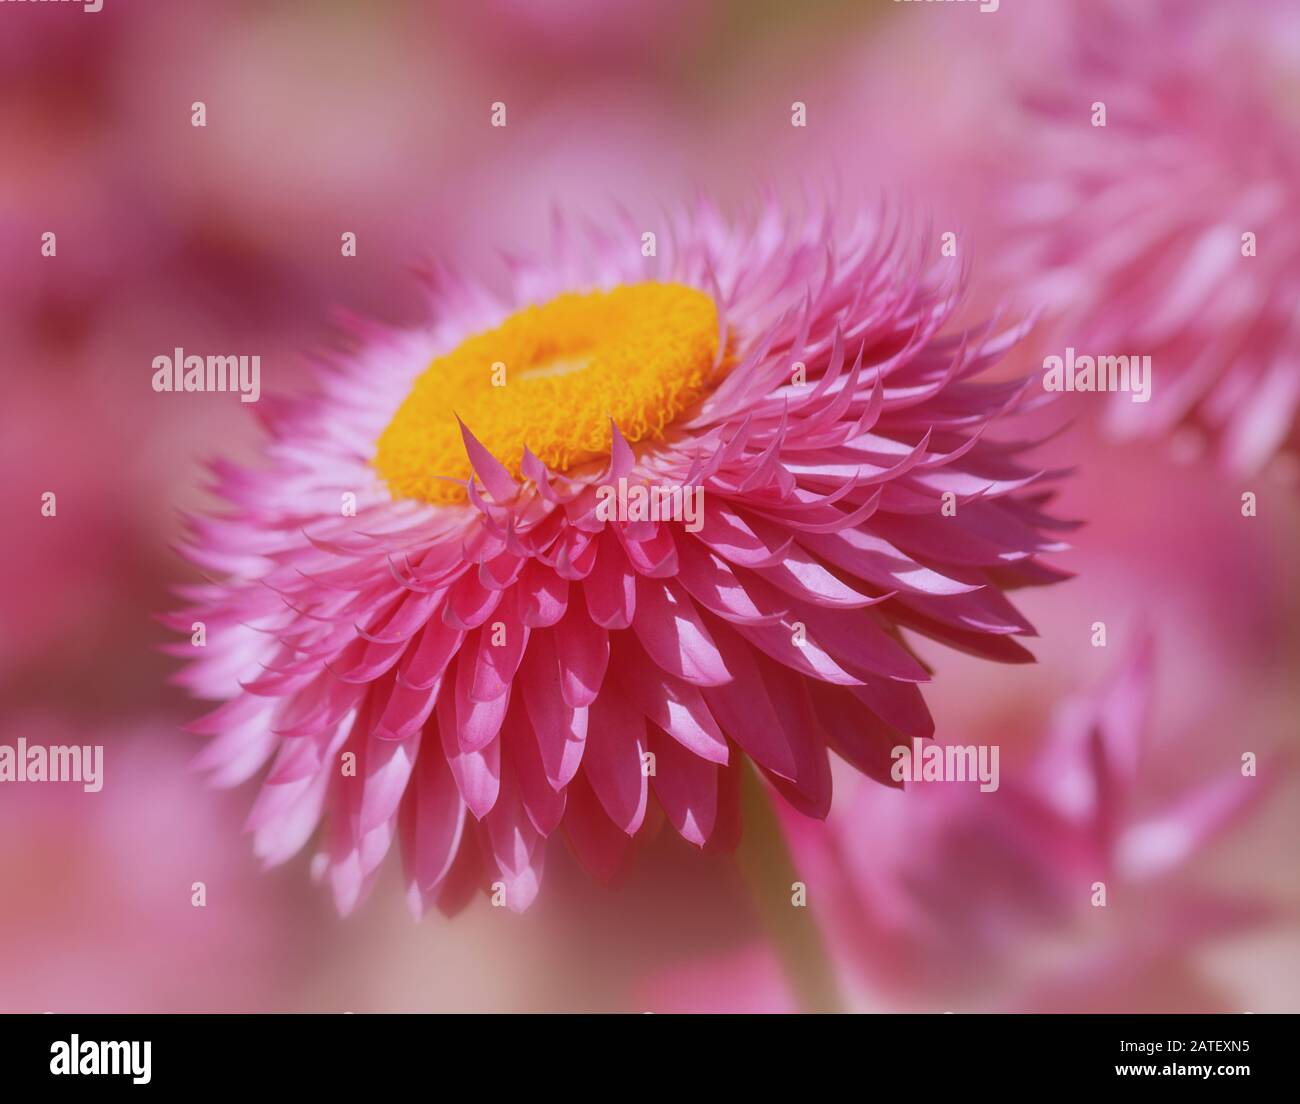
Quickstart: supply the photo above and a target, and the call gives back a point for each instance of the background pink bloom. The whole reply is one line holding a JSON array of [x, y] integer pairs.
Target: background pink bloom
[[1137, 230], [98, 913]]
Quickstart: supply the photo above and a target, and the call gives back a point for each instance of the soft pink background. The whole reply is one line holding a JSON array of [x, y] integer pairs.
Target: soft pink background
[[373, 118]]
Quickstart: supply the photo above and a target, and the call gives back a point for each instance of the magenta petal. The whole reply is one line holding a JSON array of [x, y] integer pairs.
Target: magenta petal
[[610, 588], [744, 709], [599, 845], [477, 773], [612, 762], [432, 820], [543, 801], [675, 706], [491, 471], [582, 651], [500, 648], [512, 838], [561, 729], [388, 769], [423, 666], [672, 632], [687, 788], [543, 596], [477, 722]]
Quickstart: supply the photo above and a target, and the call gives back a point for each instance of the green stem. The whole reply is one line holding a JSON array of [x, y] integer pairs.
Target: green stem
[[768, 870]]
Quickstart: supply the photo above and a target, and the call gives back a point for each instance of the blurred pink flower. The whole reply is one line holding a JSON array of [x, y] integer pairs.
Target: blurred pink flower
[[946, 897], [484, 641], [98, 913], [85, 563], [1170, 231]]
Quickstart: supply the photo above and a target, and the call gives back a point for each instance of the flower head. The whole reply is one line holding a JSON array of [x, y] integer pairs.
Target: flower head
[[1168, 231], [431, 623]]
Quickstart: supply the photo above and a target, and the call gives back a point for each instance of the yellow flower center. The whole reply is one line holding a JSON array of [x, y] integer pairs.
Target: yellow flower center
[[551, 377]]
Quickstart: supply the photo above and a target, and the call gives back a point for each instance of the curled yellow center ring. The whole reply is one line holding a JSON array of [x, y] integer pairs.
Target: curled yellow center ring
[[550, 378]]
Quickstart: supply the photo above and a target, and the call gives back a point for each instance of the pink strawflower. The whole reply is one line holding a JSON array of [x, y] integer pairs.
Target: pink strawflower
[[481, 656], [946, 897], [1170, 231]]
